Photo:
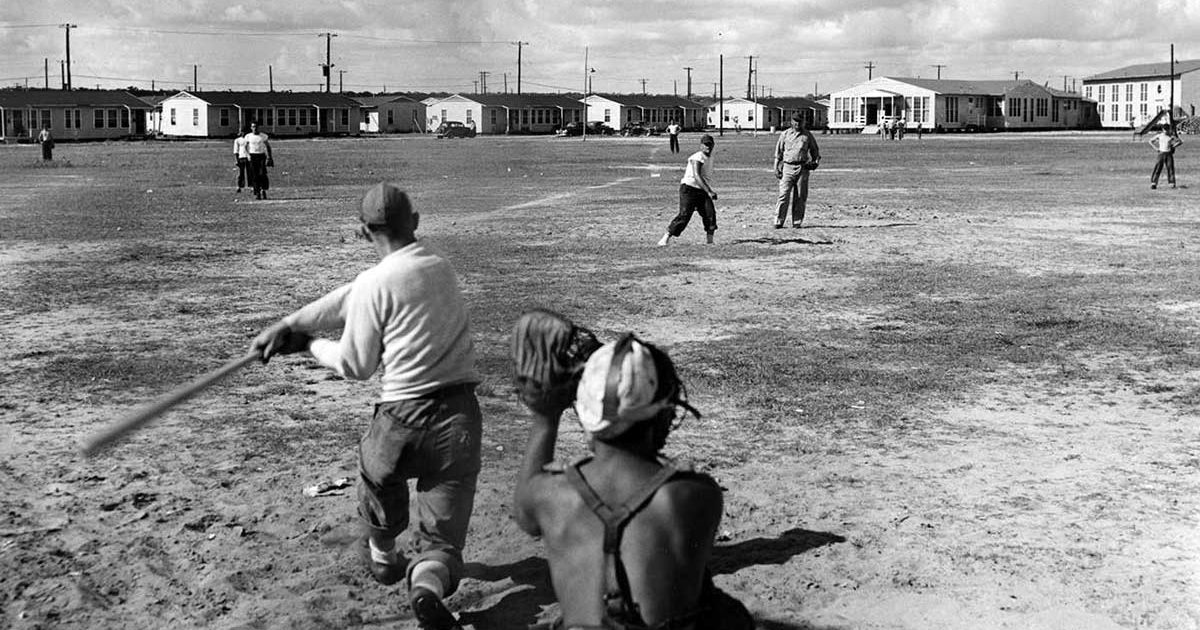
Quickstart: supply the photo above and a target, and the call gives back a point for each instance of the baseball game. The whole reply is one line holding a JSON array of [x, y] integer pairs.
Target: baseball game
[[453, 341]]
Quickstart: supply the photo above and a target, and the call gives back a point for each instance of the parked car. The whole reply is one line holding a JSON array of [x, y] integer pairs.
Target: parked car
[[638, 129], [593, 128], [455, 129]]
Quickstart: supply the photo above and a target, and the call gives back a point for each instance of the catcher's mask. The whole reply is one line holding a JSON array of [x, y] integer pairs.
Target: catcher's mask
[[627, 382]]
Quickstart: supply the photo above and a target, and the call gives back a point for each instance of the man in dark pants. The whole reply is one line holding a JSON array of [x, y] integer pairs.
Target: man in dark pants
[[1165, 143], [47, 141], [673, 134], [258, 145], [796, 155], [695, 194]]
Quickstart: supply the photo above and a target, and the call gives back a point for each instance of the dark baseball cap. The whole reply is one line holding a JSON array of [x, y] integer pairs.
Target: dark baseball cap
[[385, 204], [797, 117], [707, 140]]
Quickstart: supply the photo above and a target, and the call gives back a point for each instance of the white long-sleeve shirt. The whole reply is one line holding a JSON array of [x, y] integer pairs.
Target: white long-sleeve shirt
[[405, 314]]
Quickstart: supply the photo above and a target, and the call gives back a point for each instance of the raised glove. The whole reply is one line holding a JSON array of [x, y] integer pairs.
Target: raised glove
[[548, 355]]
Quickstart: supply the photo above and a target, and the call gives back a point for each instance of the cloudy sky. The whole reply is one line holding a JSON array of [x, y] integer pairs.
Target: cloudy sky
[[798, 46]]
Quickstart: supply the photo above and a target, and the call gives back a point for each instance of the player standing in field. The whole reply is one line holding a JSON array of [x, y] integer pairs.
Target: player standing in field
[[1165, 143], [406, 316], [796, 155], [242, 156], [673, 130], [695, 194], [258, 146]]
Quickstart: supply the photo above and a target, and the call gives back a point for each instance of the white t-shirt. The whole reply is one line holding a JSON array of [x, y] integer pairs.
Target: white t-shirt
[[702, 163], [673, 129], [405, 315], [256, 142], [239, 148], [1162, 142]]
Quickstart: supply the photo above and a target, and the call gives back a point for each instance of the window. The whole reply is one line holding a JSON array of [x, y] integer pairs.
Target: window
[[124, 118], [346, 118], [1116, 111], [443, 114], [1100, 110], [1014, 107], [98, 120], [1129, 111], [951, 109], [172, 115], [67, 118], [1143, 107], [224, 116], [749, 115], [607, 115], [1054, 110], [995, 106], [291, 118], [271, 117], [1099, 92], [493, 118], [1087, 91], [469, 115], [1115, 89], [921, 109], [1042, 107], [392, 119], [195, 117], [727, 115], [1144, 91], [1129, 91], [843, 110], [45, 118]]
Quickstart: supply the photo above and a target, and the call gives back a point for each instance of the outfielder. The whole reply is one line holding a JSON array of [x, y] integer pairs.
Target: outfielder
[[407, 316], [796, 155], [628, 532]]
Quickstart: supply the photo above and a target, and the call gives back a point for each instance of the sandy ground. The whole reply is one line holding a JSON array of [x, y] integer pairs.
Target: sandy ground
[[1027, 502]]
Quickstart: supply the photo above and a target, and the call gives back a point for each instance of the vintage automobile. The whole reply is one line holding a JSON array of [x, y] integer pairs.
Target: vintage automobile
[[594, 128], [638, 129], [455, 129]]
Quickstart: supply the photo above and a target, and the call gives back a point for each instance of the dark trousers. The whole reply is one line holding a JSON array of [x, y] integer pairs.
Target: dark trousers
[[243, 166], [674, 142], [434, 439], [1165, 158], [693, 200], [47, 150], [258, 172]]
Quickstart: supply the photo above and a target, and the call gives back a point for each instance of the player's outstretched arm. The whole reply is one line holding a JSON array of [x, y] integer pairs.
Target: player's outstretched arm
[[539, 451]]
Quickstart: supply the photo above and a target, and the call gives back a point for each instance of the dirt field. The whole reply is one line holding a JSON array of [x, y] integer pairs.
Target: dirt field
[[966, 396]]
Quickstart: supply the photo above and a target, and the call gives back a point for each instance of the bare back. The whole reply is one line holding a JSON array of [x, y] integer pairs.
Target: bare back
[[664, 548]]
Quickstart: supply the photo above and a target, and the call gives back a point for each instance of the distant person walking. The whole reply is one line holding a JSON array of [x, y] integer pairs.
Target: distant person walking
[[673, 130], [47, 141], [1165, 143], [242, 155], [695, 194], [258, 146], [796, 155]]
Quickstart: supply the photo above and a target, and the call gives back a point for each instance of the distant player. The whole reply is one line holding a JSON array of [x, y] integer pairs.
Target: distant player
[[406, 316], [673, 130], [1165, 143], [258, 146], [696, 194], [628, 532], [796, 156], [242, 156], [47, 141]]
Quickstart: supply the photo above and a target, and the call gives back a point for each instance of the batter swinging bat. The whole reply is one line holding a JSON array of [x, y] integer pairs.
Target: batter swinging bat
[[163, 404]]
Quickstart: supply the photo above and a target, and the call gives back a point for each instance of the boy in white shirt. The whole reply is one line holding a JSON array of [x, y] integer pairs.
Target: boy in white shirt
[[1165, 143], [695, 194]]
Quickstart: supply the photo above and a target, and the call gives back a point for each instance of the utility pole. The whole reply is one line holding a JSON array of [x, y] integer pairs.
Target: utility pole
[[689, 84], [475, 83], [327, 67], [721, 99], [340, 73], [47, 64], [62, 73], [483, 81], [506, 83], [870, 69], [195, 74], [939, 67], [270, 78], [1016, 75], [67, 28], [1064, 83], [643, 86], [1171, 103], [519, 45], [749, 77]]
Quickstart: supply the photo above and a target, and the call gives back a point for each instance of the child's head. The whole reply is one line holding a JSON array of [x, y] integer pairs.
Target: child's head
[[629, 388]]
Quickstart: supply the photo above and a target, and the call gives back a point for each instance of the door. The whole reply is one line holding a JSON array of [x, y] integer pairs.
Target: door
[[872, 113]]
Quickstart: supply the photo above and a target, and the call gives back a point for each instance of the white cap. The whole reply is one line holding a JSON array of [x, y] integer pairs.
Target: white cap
[[612, 398]]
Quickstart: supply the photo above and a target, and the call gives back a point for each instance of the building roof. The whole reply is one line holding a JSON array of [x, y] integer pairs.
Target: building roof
[[376, 101], [70, 98], [1146, 70], [274, 99], [791, 102], [960, 86], [517, 101], [651, 100]]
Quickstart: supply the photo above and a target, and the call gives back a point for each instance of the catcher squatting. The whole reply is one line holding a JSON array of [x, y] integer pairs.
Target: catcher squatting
[[628, 533]]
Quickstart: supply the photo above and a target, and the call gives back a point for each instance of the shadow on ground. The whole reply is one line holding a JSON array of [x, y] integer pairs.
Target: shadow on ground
[[782, 241], [756, 551]]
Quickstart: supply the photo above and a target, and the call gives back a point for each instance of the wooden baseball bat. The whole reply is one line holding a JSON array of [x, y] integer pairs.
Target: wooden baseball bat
[[164, 403]]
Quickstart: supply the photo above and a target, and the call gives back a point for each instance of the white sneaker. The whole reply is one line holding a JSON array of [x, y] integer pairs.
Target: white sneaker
[[662, 242]]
